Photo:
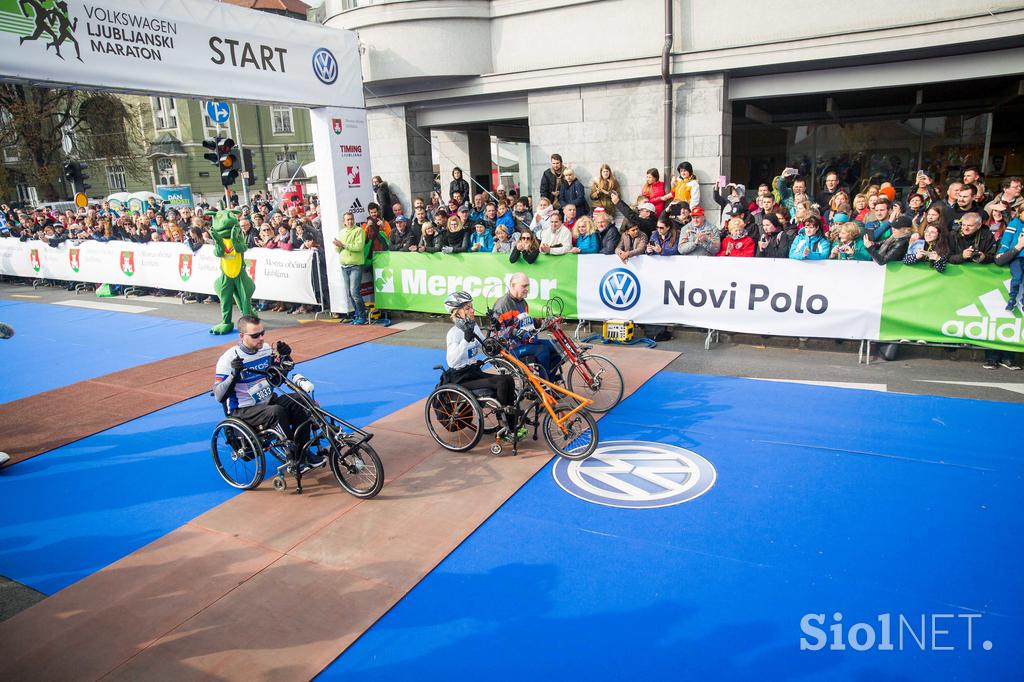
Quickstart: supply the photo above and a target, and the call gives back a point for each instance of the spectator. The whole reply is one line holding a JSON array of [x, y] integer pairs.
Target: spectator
[[894, 248], [430, 240], [481, 241], [700, 238], [645, 217], [403, 237], [585, 237], [849, 243], [679, 214], [632, 243], [458, 184], [878, 227], [970, 243], [490, 217], [283, 238], [737, 243], [551, 181], [557, 239], [1011, 243], [1011, 193], [464, 215], [933, 249], [824, 198], [933, 215], [996, 223], [601, 189], [774, 242], [350, 245], [654, 191], [785, 186], [573, 192], [527, 247], [505, 217], [385, 199], [607, 233], [965, 204], [542, 218], [521, 216], [377, 233], [664, 240], [860, 207], [435, 202], [456, 238], [923, 186], [569, 215], [685, 187], [501, 240], [478, 211], [729, 197], [810, 243]]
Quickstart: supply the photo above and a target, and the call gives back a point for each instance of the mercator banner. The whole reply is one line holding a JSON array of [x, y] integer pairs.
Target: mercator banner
[[187, 47], [278, 275]]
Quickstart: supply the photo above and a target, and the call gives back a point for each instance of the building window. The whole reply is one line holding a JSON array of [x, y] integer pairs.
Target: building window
[[287, 156], [116, 179], [165, 174], [281, 120], [27, 195], [165, 113]]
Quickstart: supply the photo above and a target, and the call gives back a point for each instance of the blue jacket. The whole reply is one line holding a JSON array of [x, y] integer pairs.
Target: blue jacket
[[819, 247], [666, 250], [879, 230], [508, 220], [588, 243], [576, 194], [1009, 238], [485, 240]]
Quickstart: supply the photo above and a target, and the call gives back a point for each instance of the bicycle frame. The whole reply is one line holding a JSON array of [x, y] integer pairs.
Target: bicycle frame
[[572, 351], [542, 386]]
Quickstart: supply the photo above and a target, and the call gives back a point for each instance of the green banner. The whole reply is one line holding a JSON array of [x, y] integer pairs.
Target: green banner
[[963, 304], [421, 281]]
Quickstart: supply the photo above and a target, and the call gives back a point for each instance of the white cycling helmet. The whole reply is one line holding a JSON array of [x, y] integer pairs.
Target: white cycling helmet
[[456, 300]]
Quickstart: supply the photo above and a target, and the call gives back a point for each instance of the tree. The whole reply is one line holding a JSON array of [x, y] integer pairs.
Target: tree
[[99, 126]]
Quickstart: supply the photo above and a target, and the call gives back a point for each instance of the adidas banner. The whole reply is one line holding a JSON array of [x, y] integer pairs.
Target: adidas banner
[[824, 299], [187, 47], [341, 145], [278, 275]]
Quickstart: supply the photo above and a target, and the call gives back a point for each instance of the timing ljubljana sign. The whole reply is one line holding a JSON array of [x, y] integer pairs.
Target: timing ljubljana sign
[[191, 47]]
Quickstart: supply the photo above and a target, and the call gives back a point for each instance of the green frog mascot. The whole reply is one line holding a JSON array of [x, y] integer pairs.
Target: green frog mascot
[[234, 284]]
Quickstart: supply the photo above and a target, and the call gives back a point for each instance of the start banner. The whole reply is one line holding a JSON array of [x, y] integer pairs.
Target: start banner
[[278, 275]]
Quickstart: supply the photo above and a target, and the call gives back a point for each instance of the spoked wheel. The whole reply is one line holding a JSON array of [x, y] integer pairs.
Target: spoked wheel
[[357, 467], [579, 438], [238, 454], [596, 377], [492, 410], [454, 418], [503, 366]]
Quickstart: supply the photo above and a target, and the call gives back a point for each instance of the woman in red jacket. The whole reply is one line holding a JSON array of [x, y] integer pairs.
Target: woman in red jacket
[[737, 243], [654, 190]]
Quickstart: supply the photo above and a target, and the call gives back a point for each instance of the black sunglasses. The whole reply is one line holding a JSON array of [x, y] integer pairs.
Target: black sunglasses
[[257, 335]]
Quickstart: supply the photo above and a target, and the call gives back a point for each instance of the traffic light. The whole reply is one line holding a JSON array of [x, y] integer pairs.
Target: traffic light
[[224, 157], [73, 173]]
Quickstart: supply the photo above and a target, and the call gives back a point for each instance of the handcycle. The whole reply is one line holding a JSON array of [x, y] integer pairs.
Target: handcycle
[[239, 450], [457, 417]]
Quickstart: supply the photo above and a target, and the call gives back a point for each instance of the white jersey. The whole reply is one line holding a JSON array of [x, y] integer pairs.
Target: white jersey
[[250, 389], [461, 352]]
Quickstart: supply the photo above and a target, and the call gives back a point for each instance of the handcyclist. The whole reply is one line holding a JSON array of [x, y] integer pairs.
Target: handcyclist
[[512, 311], [464, 353], [250, 396]]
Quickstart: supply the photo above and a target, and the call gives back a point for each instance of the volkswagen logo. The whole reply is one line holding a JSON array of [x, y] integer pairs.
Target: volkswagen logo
[[619, 289], [635, 474], [325, 66]]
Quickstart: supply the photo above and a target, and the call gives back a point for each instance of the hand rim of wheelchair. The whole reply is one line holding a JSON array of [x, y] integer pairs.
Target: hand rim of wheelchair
[[462, 413]]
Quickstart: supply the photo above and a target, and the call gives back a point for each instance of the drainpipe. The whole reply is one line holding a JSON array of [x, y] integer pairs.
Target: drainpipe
[[666, 77]]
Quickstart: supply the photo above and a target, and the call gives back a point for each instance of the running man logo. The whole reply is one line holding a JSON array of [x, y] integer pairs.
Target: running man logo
[[42, 19], [185, 266], [989, 322], [73, 259], [33, 258], [128, 263], [250, 267]]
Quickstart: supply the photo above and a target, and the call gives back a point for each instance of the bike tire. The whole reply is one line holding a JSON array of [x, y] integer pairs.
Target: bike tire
[[454, 418], [358, 468], [581, 440], [607, 387], [238, 454]]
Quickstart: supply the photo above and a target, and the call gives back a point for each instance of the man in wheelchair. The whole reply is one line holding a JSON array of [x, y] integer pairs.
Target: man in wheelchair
[[512, 312], [240, 383]]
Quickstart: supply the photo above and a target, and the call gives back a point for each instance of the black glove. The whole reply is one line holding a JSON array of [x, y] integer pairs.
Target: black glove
[[469, 334], [283, 349], [236, 366]]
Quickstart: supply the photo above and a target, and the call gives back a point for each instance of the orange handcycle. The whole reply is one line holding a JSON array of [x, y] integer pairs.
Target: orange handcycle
[[457, 419]]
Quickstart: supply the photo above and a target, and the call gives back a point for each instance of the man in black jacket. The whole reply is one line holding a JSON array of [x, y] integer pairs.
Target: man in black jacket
[[643, 217], [551, 181], [606, 232], [965, 204], [384, 197], [894, 248], [971, 243]]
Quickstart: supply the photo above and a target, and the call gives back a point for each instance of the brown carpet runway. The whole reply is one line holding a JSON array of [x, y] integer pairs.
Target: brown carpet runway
[[271, 586], [46, 421]]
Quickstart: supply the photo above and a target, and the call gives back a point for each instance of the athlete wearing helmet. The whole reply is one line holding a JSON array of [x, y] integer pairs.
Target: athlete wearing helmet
[[464, 352]]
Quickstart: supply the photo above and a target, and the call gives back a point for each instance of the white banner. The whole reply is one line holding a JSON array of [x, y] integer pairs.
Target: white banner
[[278, 275], [341, 144], [755, 295], [186, 47]]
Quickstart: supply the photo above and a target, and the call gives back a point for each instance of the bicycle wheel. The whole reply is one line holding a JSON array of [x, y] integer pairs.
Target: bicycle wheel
[[454, 418], [237, 454], [357, 467], [597, 378], [578, 441], [492, 410]]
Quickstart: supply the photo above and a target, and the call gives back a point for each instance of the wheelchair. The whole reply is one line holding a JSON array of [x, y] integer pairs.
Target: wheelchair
[[240, 451], [458, 417]]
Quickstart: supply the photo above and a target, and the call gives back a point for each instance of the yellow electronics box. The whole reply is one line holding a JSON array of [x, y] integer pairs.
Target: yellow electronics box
[[621, 331]]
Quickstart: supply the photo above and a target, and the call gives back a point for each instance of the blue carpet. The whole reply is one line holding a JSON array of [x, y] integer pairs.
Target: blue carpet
[[827, 501], [70, 512], [56, 346]]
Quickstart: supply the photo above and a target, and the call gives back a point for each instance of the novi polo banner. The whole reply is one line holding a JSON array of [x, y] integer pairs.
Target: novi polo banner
[[278, 275], [341, 144], [186, 47], [753, 295], [963, 304], [421, 281]]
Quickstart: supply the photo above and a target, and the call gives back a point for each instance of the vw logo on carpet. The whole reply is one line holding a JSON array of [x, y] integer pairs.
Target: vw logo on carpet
[[636, 474], [619, 289]]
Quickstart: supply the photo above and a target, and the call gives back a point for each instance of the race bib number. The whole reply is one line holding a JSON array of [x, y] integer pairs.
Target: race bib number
[[260, 392]]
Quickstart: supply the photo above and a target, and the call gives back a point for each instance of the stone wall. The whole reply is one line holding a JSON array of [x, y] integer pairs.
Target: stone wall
[[398, 154]]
